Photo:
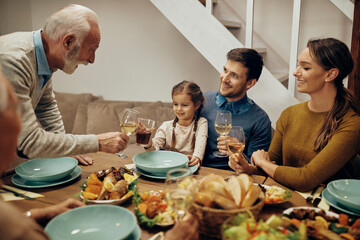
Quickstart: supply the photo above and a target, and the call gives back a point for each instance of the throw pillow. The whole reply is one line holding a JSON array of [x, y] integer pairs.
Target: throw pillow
[[103, 117], [68, 103]]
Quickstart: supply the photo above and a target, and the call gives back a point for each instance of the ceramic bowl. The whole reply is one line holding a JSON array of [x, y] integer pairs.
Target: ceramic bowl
[[159, 162], [346, 192], [92, 222], [46, 169]]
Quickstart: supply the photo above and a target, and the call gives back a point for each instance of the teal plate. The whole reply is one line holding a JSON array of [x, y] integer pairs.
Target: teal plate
[[19, 181], [160, 162], [46, 169], [93, 222], [135, 235], [332, 202], [162, 176], [346, 192]]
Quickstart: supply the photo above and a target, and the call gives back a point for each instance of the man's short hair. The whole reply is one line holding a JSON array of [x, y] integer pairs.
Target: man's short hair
[[251, 59]]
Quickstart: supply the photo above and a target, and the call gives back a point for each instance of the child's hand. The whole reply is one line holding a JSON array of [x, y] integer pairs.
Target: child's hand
[[193, 161]]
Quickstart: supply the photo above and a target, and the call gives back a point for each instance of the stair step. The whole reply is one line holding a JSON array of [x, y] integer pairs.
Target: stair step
[[281, 76], [204, 2], [231, 24], [260, 50]]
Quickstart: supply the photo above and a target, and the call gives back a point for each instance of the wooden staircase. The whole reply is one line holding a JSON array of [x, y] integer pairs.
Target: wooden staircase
[[213, 40]]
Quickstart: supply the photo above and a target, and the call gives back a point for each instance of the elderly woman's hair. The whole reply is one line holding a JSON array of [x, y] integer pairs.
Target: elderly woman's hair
[[70, 19], [3, 93]]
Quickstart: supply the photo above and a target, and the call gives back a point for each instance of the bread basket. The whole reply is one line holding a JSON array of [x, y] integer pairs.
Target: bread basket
[[211, 219]]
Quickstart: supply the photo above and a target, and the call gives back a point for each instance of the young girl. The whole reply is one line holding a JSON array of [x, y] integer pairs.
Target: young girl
[[187, 133]]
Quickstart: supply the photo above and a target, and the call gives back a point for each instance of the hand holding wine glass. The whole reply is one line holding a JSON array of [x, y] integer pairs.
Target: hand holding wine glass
[[128, 124], [222, 126], [180, 190], [235, 140]]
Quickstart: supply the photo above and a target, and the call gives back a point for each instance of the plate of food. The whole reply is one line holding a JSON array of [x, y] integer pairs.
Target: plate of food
[[111, 186], [322, 224], [275, 194], [151, 209], [245, 226]]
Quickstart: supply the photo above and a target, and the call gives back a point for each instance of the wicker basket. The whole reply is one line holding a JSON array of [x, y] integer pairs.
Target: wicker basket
[[211, 219]]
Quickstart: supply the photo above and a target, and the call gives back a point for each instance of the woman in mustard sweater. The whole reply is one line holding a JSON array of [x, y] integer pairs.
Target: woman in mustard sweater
[[315, 141]]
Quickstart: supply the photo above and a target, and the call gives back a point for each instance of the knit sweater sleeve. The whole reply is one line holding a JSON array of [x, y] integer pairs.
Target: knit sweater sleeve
[[46, 138], [201, 138], [341, 148]]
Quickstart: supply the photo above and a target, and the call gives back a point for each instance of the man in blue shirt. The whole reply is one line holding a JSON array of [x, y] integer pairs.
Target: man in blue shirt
[[241, 72]]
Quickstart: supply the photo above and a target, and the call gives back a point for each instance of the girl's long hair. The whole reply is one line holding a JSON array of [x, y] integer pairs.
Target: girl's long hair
[[194, 91], [332, 53]]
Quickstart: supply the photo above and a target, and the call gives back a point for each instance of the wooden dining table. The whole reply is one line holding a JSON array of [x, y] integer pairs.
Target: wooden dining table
[[57, 194]]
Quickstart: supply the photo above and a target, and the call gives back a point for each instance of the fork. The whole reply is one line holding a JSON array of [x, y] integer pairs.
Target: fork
[[311, 196]]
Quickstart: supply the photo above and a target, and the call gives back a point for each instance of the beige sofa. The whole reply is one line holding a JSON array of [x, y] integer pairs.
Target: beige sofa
[[88, 114]]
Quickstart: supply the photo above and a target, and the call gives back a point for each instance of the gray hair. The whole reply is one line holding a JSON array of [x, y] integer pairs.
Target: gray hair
[[4, 99], [70, 19]]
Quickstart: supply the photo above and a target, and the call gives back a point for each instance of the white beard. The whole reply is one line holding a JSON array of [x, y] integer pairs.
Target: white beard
[[70, 62]]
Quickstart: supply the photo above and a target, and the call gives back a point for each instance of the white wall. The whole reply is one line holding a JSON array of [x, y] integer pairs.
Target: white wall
[[141, 55]]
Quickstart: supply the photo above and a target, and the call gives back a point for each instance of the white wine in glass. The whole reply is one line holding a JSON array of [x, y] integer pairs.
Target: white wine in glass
[[128, 128], [222, 126], [128, 124], [235, 140]]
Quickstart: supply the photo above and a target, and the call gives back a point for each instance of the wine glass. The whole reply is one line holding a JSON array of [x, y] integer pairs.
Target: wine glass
[[143, 136], [235, 140], [180, 190], [222, 126], [128, 124]]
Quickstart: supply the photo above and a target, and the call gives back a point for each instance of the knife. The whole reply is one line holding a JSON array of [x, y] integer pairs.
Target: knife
[[17, 194]]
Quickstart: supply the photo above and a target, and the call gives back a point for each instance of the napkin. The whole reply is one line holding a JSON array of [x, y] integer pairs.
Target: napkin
[[323, 204], [131, 166], [8, 196]]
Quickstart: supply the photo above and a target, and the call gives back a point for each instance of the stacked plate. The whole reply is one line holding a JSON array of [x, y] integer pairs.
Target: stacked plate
[[94, 222], [155, 164], [46, 172], [344, 195]]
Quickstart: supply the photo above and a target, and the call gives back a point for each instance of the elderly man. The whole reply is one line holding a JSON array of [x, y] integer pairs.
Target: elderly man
[[28, 59], [240, 73]]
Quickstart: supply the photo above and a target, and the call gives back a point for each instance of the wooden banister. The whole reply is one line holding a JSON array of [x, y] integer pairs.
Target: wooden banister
[[354, 77]]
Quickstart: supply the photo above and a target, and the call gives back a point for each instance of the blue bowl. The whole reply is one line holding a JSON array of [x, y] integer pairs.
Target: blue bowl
[[346, 192], [92, 222], [46, 169], [160, 162]]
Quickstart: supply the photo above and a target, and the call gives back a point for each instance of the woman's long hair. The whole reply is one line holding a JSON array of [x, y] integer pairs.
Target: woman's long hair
[[332, 53], [194, 91]]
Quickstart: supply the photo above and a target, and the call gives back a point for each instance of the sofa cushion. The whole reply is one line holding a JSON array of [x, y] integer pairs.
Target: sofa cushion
[[156, 111], [80, 122], [68, 104], [102, 116]]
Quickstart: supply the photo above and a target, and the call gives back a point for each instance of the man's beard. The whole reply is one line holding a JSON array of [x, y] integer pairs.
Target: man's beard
[[70, 62], [232, 94]]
